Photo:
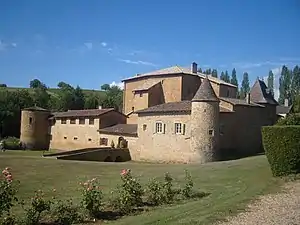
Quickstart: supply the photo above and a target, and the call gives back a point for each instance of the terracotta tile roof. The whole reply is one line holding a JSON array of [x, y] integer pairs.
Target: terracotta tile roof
[[179, 70], [281, 109], [205, 92], [146, 85], [236, 101], [260, 94], [183, 106], [82, 113], [129, 129]]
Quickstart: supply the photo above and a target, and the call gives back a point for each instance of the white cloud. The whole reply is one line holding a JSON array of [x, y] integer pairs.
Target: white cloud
[[14, 45], [119, 84], [89, 45], [104, 44], [138, 62], [5, 45]]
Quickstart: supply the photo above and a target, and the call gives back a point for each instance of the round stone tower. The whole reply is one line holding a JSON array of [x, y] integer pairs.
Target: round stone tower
[[34, 128], [205, 114]]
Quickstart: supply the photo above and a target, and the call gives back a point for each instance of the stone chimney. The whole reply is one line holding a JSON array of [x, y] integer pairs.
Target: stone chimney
[[194, 67], [248, 97], [286, 102], [100, 107]]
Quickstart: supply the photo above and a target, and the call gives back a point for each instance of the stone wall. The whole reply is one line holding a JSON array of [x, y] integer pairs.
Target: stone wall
[[131, 141], [166, 146]]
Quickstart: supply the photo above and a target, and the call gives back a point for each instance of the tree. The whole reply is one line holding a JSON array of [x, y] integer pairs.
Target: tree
[[114, 98], [295, 83], [271, 82], [199, 70], [3, 85], [37, 84], [285, 81], [78, 98], [234, 80], [245, 86], [214, 73], [222, 76], [105, 87], [208, 71], [227, 77]]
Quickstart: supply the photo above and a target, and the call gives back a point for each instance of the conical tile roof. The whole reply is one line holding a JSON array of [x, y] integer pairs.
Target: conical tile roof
[[205, 93]]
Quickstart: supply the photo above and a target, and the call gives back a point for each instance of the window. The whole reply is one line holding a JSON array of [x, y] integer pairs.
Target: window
[[72, 121], [81, 121], [103, 141], [91, 121], [75, 138], [144, 127], [63, 121], [65, 137], [90, 139], [159, 127], [211, 132], [141, 94], [179, 128], [30, 120], [221, 129], [227, 93]]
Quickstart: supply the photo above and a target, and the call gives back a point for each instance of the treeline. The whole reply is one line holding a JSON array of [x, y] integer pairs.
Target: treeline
[[289, 83], [63, 98]]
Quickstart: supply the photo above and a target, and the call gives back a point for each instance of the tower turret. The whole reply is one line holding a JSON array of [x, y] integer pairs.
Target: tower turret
[[205, 113]]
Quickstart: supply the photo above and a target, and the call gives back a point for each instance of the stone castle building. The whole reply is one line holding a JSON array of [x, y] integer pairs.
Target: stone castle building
[[172, 115]]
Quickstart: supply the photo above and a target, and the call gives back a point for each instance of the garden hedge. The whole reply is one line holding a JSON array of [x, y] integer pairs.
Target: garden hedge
[[282, 148]]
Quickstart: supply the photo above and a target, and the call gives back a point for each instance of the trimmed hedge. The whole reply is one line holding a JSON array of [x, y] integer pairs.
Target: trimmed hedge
[[293, 119], [12, 143], [282, 147]]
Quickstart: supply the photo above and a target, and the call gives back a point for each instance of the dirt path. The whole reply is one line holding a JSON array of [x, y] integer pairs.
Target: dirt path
[[277, 209]]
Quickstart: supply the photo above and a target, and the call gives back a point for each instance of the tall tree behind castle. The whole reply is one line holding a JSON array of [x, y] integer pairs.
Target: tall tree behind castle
[[285, 82], [270, 82], [245, 86], [234, 80]]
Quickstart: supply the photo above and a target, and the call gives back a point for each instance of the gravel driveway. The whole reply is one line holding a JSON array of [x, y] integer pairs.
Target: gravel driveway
[[277, 209]]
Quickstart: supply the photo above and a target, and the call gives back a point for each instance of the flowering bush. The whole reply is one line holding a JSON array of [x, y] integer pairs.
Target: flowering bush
[[92, 197], [155, 190], [38, 205], [65, 213], [169, 192], [187, 191], [129, 194], [7, 192]]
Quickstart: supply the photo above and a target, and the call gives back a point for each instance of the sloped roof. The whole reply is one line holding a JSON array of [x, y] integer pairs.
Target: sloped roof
[[36, 108], [129, 129], [180, 107], [261, 94], [178, 70], [82, 113], [205, 92], [236, 101], [146, 85], [281, 109]]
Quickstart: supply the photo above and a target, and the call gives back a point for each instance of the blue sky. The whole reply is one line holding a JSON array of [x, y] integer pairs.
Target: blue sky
[[93, 42]]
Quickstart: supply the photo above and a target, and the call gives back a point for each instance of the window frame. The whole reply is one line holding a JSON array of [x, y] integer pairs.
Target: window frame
[[90, 121], [73, 121], [176, 124], [156, 127], [63, 121], [80, 121]]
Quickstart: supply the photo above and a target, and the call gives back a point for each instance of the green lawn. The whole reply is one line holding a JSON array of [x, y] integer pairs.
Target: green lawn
[[231, 184]]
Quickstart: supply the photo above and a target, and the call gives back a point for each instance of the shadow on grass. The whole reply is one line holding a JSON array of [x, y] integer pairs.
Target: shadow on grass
[[234, 154]]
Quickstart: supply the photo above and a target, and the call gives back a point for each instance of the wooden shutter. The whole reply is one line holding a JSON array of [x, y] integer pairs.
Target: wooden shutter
[[183, 128]]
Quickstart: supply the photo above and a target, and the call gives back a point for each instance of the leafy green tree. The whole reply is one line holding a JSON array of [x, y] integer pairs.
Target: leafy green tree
[[245, 86], [285, 81], [271, 82], [226, 77], [3, 85], [295, 83], [114, 98], [199, 70], [234, 80], [214, 73], [222, 76], [35, 83]]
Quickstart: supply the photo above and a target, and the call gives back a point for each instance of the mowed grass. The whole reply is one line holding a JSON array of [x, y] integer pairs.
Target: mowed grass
[[231, 185]]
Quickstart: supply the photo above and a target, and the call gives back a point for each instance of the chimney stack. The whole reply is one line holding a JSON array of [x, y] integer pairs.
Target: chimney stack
[[194, 67], [286, 102], [248, 97]]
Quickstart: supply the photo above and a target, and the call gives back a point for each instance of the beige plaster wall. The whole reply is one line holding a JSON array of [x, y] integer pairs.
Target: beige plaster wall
[[165, 147]]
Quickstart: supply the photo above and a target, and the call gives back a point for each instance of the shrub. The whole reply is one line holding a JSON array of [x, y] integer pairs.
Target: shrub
[[187, 191], [155, 190], [129, 194], [282, 147], [92, 197], [8, 220], [8, 192], [292, 119], [65, 213], [169, 192], [38, 205], [12, 143]]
